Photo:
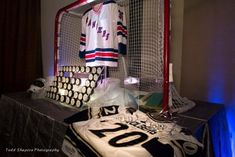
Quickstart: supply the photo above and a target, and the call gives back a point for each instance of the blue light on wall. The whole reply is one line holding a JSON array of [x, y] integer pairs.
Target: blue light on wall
[[221, 88], [215, 95], [223, 127], [231, 125]]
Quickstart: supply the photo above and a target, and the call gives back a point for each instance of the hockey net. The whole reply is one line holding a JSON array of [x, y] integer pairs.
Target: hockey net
[[144, 60]]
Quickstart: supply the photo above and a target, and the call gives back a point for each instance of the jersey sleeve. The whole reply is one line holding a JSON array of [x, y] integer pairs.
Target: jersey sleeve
[[80, 116], [93, 112], [83, 38], [121, 30]]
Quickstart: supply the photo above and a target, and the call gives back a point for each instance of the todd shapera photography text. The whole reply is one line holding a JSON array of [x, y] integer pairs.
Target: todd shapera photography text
[[46, 150]]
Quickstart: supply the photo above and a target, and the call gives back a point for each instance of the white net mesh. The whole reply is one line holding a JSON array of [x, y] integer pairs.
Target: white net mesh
[[144, 59], [145, 44], [177, 103], [69, 40]]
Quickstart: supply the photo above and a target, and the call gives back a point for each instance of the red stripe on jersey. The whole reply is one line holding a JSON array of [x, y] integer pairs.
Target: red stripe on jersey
[[120, 28], [83, 39], [101, 54]]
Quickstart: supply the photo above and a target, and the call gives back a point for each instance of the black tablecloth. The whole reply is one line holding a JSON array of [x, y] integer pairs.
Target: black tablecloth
[[37, 125]]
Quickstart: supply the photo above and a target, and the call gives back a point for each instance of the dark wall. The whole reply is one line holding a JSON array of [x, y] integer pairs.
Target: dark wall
[[20, 44], [208, 62], [209, 51]]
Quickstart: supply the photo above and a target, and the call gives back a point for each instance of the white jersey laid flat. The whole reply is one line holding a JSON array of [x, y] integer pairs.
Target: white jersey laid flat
[[104, 35], [117, 133]]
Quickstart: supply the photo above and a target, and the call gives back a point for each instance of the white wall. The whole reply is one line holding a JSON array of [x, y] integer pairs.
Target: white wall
[[49, 9]]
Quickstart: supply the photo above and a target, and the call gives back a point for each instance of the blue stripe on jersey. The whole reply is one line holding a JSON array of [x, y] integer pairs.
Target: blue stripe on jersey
[[102, 59], [120, 24], [82, 43], [83, 35], [103, 50], [82, 54], [120, 33], [107, 2], [122, 48]]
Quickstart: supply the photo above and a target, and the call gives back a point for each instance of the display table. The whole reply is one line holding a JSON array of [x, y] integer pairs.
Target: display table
[[31, 127], [201, 120], [36, 128]]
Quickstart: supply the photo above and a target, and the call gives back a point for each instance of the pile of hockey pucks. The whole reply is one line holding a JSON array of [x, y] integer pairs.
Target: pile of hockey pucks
[[74, 84]]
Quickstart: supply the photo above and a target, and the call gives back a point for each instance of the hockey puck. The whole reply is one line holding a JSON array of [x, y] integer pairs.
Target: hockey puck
[[78, 103], [73, 101], [59, 79], [90, 77], [99, 70], [65, 85], [87, 83], [89, 91], [93, 70], [57, 97], [80, 96], [84, 89], [72, 80], [70, 94], [67, 101], [60, 85], [63, 79], [77, 69], [82, 69], [70, 74], [95, 77], [75, 95], [69, 86], [66, 68], [93, 84], [78, 81], [88, 69], [66, 79], [55, 90], [73, 68], [62, 98], [61, 73], [85, 98], [70, 68]]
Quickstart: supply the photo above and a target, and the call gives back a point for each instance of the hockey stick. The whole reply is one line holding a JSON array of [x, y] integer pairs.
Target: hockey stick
[[128, 79]]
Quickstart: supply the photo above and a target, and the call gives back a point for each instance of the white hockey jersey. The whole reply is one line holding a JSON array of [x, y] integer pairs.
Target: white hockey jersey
[[104, 35], [118, 133]]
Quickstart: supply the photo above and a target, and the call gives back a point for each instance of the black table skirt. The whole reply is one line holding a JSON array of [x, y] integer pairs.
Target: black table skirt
[[36, 125]]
